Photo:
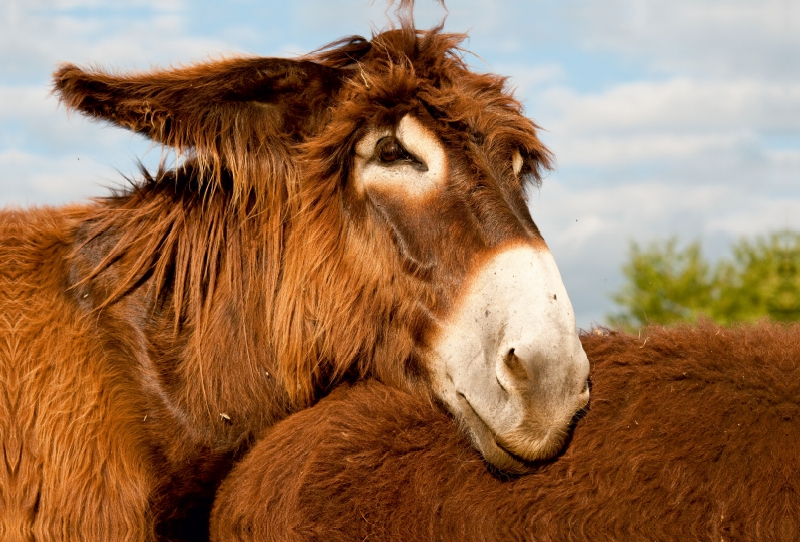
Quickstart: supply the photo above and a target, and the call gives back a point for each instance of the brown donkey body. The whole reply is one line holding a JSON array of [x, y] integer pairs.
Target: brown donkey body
[[359, 212], [693, 434]]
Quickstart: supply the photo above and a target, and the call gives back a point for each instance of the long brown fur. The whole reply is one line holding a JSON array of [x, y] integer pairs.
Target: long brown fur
[[147, 337], [693, 433]]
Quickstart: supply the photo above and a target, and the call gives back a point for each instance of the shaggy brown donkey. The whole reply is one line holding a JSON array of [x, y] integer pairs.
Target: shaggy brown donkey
[[359, 212], [692, 434]]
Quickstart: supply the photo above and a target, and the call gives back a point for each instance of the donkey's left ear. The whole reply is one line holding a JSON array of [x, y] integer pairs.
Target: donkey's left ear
[[208, 107]]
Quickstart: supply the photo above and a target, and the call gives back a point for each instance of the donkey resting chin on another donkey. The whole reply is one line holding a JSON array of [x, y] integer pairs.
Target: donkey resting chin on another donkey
[[692, 434], [358, 212]]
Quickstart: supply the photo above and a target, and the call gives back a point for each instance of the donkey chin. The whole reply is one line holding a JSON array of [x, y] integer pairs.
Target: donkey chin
[[508, 362], [515, 451]]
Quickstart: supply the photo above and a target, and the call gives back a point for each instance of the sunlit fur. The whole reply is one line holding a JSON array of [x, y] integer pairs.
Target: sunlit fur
[[693, 433], [149, 336]]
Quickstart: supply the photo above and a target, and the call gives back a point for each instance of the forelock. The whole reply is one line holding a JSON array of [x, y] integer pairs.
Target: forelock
[[427, 67]]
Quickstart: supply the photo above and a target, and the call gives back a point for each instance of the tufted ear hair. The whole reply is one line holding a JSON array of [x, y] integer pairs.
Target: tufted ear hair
[[222, 111]]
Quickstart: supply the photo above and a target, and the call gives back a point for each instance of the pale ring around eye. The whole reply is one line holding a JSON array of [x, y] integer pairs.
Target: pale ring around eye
[[418, 171]]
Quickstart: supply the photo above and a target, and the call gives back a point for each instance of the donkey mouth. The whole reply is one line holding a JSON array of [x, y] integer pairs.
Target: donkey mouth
[[527, 462], [487, 442], [506, 456]]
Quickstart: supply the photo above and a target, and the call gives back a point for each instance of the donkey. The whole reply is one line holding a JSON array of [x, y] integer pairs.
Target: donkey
[[693, 434], [356, 212]]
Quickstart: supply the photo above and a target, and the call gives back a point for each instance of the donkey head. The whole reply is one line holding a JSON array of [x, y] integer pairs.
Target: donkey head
[[409, 251]]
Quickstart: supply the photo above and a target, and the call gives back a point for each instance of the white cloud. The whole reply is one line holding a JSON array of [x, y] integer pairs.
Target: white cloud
[[589, 229], [34, 39], [47, 156], [526, 79], [694, 131], [722, 37], [680, 104], [160, 5], [648, 148], [37, 179], [31, 118]]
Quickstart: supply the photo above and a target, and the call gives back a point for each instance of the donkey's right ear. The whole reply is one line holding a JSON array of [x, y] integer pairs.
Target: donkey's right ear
[[211, 107]]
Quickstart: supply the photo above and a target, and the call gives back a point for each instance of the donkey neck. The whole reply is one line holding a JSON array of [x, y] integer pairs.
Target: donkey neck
[[192, 279]]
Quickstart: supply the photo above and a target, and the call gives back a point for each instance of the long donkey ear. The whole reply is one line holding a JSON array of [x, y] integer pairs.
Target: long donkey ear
[[223, 111]]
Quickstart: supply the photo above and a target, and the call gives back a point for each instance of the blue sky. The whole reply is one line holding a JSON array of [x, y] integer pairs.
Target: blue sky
[[666, 118]]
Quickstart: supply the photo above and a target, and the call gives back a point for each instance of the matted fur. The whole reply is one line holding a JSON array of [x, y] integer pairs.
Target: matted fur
[[693, 434], [147, 337]]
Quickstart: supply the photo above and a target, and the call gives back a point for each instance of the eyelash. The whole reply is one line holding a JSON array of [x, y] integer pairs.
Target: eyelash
[[398, 152]]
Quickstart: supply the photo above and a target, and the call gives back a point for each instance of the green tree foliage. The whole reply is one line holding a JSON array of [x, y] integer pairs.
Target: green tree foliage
[[665, 284]]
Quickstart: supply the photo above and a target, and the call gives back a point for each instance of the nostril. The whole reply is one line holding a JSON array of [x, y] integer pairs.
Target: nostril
[[510, 358], [514, 365]]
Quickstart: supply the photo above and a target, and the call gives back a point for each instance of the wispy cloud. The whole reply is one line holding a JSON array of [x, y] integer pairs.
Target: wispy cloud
[[680, 104], [707, 37]]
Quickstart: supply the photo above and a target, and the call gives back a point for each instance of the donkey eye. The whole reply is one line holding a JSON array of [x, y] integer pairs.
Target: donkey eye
[[389, 150]]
